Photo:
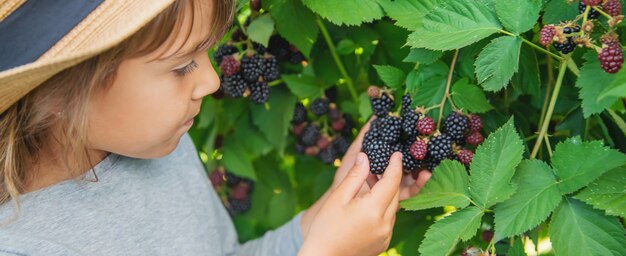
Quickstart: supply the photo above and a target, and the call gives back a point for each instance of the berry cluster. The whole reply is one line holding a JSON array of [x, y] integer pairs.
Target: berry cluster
[[414, 135], [329, 136], [593, 14], [233, 190], [611, 56]]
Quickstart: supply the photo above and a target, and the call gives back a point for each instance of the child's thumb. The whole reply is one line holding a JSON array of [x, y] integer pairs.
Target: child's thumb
[[352, 183]]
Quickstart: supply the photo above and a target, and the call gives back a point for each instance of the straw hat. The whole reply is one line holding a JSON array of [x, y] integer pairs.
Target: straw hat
[[40, 38]]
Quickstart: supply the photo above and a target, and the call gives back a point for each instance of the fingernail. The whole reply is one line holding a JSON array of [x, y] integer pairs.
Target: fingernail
[[360, 159]]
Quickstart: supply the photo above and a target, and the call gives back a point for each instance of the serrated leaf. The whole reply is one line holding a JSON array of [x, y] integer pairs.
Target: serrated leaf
[[494, 164], [275, 121], [409, 13], [392, 76], [348, 12], [577, 163], [527, 78], [559, 10], [261, 29], [617, 88], [518, 16], [607, 193], [295, 23], [431, 91], [497, 62], [447, 187], [578, 229], [453, 25], [442, 237], [591, 82], [235, 160], [423, 56], [303, 86], [469, 97], [536, 196]]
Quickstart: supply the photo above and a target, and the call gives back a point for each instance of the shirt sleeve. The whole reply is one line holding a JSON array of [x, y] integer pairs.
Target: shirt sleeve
[[286, 240]]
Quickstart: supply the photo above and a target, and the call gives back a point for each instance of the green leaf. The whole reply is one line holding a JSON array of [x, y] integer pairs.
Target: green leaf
[[348, 12], [431, 91], [442, 237], [497, 62], [607, 193], [578, 163], [469, 97], [303, 86], [365, 106], [392, 76], [518, 16], [409, 13], [617, 88], [236, 161], [447, 186], [527, 78], [559, 10], [537, 195], [261, 29], [578, 229], [423, 56], [345, 47], [275, 121], [592, 81], [295, 23], [455, 24], [494, 164], [517, 249]]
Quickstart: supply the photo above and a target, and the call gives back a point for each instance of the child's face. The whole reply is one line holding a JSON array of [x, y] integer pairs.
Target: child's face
[[152, 103]]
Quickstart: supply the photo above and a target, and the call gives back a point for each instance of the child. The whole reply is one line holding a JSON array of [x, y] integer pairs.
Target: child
[[96, 98]]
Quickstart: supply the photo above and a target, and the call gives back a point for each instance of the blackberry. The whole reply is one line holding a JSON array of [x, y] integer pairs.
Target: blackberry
[[333, 112], [299, 128], [612, 7], [455, 125], [465, 156], [426, 125], [238, 36], [239, 206], [439, 147], [474, 138], [378, 155], [311, 151], [323, 142], [547, 35], [240, 191], [593, 14], [381, 106], [229, 65], [340, 144], [217, 177], [409, 124], [328, 155], [431, 164], [255, 5], [611, 57], [390, 128], [590, 3], [234, 85], [347, 128], [319, 106], [260, 92], [257, 48], [331, 93], [338, 124], [252, 67], [419, 149], [232, 179], [299, 148], [310, 134], [222, 51], [272, 71], [568, 45], [296, 56], [279, 47], [368, 140], [475, 123], [406, 104], [396, 147], [409, 164], [299, 114]]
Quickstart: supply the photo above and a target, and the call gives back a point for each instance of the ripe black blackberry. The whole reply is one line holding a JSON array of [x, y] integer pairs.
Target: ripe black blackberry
[[260, 92], [409, 124], [299, 148], [279, 47], [222, 51], [406, 104], [232, 179], [340, 144], [319, 106], [611, 56], [440, 147], [347, 128], [328, 155], [547, 35], [299, 114], [590, 3], [431, 164], [234, 85], [426, 125], [378, 155], [381, 102], [612, 7], [229, 65], [568, 45], [296, 56], [272, 71], [252, 67], [396, 147], [255, 5], [239, 206], [455, 125], [593, 14], [310, 135], [391, 127]]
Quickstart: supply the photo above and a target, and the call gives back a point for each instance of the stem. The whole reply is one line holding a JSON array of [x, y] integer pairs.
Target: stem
[[545, 135], [533, 45], [546, 120], [544, 108], [275, 82], [447, 93], [602, 12], [333, 52]]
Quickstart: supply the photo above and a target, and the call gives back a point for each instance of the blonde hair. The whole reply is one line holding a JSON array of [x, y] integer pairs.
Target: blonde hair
[[28, 125]]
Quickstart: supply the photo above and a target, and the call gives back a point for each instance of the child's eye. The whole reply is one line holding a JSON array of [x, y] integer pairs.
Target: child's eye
[[186, 69]]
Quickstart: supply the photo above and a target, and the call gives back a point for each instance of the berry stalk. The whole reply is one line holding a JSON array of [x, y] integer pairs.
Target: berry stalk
[[546, 120], [602, 12], [333, 52], [448, 83], [531, 44]]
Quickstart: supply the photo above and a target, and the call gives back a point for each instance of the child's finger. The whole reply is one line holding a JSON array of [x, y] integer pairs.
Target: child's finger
[[354, 179], [388, 186]]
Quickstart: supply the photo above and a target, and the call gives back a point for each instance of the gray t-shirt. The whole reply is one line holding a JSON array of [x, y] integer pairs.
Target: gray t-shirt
[[163, 206]]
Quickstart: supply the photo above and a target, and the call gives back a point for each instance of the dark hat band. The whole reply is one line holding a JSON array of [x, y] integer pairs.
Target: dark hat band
[[34, 27]]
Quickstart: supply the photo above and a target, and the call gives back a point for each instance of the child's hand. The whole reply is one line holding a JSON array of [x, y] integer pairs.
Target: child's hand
[[354, 223]]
